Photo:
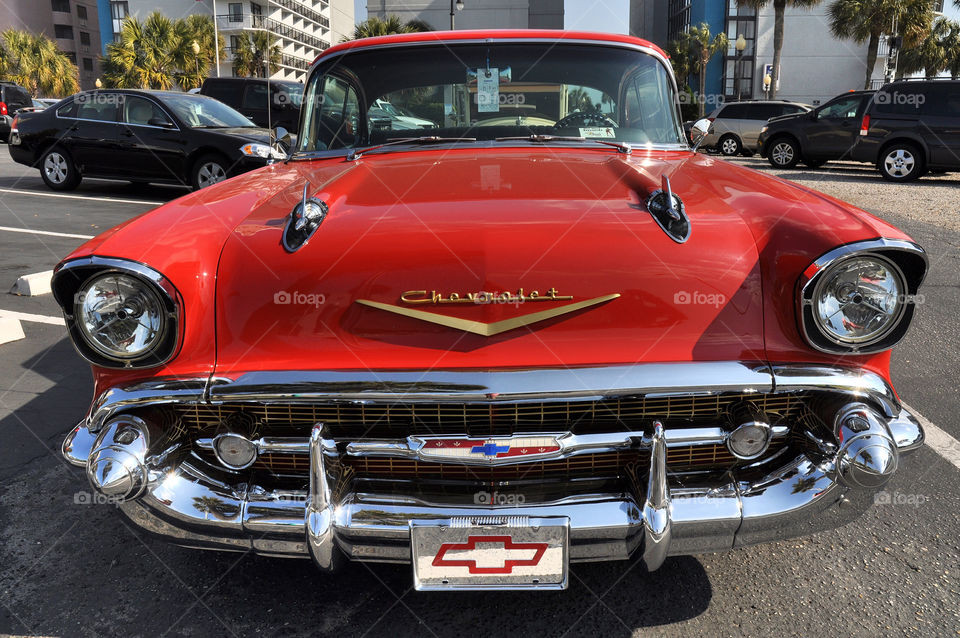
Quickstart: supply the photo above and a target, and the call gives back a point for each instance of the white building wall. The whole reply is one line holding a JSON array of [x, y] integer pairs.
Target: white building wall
[[476, 14], [815, 66]]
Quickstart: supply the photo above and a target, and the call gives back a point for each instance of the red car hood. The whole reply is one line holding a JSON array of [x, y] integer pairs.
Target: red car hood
[[463, 222]]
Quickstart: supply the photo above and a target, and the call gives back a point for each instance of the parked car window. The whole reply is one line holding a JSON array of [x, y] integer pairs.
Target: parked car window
[[197, 111], [138, 110], [943, 100], [765, 111], [255, 96], [223, 91], [287, 93], [733, 112], [18, 96], [67, 110], [841, 109], [792, 109], [899, 99], [98, 106]]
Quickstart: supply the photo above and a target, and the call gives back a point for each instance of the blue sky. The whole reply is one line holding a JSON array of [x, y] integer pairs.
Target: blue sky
[[583, 15]]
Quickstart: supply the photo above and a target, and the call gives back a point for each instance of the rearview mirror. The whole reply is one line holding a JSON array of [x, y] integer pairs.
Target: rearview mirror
[[159, 121], [699, 132]]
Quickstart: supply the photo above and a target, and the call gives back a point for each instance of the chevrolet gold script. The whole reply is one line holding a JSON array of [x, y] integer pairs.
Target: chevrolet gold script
[[479, 327]]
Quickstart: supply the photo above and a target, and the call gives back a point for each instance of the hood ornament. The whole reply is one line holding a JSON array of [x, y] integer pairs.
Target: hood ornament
[[668, 211], [304, 220]]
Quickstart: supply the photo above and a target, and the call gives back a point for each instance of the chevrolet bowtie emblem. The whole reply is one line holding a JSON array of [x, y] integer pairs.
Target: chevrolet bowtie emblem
[[487, 329]]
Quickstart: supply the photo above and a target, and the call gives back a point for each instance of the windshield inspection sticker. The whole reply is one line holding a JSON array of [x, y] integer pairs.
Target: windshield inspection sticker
[[488, 90], [598, 131]]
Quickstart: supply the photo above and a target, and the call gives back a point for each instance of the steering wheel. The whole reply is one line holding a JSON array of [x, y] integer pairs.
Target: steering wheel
[[585, 118]]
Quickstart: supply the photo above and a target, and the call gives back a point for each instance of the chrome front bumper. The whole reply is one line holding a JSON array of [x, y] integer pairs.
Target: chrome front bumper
[[676, 516]]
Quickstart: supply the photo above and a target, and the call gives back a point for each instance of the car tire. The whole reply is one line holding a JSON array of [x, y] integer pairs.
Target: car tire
[[58, 170], [208, 170], [901, 162], [729, 145], [783, 153]]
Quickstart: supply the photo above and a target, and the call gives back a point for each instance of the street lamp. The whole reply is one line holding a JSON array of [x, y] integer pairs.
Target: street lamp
[[458, 5], [740, 45], [98, 84], [196, 59], [766, 84]]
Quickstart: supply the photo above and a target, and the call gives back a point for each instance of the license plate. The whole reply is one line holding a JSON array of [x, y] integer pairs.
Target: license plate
[[490, 552]]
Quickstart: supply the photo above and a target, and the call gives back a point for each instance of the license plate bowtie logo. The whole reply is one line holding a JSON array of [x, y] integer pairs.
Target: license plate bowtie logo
[[490, 554], [490, 449]]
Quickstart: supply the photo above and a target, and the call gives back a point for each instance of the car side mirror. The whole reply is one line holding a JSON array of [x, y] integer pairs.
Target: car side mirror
[[282, 137], [159, 121], [699, 132]]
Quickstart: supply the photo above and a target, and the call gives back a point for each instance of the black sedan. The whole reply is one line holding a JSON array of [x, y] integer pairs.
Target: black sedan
[[141, 136]]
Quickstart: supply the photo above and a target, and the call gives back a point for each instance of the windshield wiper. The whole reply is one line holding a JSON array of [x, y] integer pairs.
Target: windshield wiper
[[356, 153], [623, 147]]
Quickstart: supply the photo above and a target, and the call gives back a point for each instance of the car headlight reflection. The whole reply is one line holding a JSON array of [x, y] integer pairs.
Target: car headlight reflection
[[859, 300], [120, 316]]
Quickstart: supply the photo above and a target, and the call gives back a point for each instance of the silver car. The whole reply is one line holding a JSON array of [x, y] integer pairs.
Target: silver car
[[736, 125]]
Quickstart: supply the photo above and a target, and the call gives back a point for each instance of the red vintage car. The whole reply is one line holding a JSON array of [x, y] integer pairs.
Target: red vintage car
[[540, 330]]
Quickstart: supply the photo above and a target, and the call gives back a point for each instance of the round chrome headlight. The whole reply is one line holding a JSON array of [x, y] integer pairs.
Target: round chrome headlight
[[859, 300], [120, 316]]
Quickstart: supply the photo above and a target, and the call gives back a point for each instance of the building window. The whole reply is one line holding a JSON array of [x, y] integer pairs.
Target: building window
[[235, 10], [85, 38], [938, 6], [678, 18], [72, 57], [256, 9], [60, 6], [81, 12], [63, 31], [738, 66], [88, 64], [118, 11]]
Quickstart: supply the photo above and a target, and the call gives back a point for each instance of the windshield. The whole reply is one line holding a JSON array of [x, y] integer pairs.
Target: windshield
[[203, 112], [490, 91]]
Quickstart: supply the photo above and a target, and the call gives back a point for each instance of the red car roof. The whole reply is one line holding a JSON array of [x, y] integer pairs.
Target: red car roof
[[496, 34]]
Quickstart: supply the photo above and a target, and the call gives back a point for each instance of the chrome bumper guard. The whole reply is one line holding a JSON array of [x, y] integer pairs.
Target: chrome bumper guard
[[184, 504]]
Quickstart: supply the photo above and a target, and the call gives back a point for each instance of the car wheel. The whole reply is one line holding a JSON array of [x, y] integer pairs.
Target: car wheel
[[209, 170], [900, 162], [729, 145], [783, 153], [814, 163], [58, 170]]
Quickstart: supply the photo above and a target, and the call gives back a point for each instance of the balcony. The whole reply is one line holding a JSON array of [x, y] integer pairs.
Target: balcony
[[249, 21], [297, 7]]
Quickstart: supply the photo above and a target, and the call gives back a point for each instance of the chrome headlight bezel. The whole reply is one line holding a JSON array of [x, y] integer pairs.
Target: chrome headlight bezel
[[73, 276], [907, 263]]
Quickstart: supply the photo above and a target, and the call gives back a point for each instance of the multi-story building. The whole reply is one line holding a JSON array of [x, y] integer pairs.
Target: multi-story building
[[814, 65], [475, 14], [72, 24], [302, 28]]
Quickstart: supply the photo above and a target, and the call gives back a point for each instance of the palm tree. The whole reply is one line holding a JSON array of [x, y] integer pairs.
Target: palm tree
[[255, 53], [952, 45], [866, 20], [932, 54], [374, 26], [34, 62], [158, 53], [703, 48], [779, 9]]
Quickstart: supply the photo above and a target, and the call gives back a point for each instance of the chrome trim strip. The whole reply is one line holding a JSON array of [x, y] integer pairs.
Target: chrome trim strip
[[656, 508], [268, 445], [860, 383]]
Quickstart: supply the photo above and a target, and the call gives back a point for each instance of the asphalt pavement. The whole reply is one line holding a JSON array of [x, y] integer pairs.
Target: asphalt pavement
[[70, 568]]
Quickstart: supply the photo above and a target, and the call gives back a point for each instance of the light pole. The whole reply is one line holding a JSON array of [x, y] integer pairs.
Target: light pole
[[458, 5], [216, 39], [741, 45], [196, 60]]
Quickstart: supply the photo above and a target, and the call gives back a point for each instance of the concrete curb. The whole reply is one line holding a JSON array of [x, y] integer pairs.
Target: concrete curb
[[10, 330], [32, 285]]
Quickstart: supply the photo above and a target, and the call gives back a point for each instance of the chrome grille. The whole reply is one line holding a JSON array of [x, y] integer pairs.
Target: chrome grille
[[357, 421]]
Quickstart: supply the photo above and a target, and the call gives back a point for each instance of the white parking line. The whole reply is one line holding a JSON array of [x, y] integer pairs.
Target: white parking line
[[26, 316], [43, 232], [938, 440], [17, 191]]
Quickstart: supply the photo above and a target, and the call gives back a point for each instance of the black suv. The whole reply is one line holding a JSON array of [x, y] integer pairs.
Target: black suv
[[912, 127], [829, 132], [250, 97], [13, 97]]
